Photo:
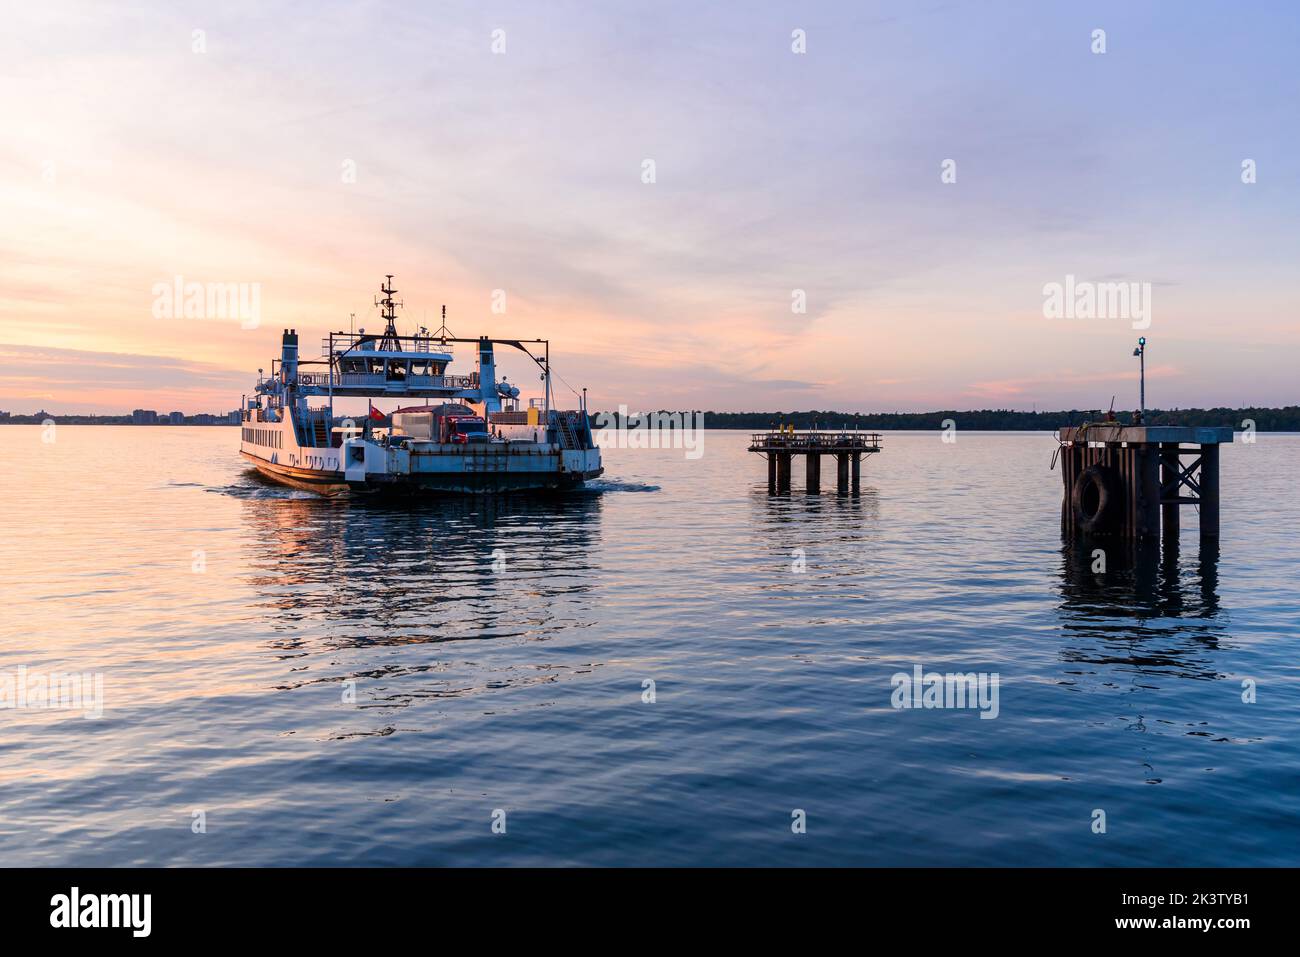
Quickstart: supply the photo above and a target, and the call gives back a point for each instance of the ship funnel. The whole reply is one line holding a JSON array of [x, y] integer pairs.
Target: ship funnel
[[289, 356], [487, 376]]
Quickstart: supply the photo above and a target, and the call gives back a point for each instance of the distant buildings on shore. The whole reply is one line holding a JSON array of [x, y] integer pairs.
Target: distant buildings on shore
[[137, 417]]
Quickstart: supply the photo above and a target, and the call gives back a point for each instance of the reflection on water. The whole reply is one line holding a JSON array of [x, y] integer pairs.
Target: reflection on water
[[360, 589], [790, 517], [787, 506], [834, 531], [1150, 609]]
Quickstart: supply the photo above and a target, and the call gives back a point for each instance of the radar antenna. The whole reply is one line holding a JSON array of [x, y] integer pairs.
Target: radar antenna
[[389, 342]]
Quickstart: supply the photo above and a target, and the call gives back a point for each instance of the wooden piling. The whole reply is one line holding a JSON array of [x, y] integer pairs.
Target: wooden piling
[[814, 471], [782, 471], [1119, 460], [857, 471], [842, 472], [1169, 474], [1209, 491], [1147, 501]]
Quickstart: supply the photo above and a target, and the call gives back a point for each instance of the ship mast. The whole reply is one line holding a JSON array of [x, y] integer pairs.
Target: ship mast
[[389, 342], [443, 332]]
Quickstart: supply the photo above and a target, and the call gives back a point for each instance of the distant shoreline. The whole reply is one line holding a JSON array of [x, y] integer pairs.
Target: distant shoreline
[[1285, 419]]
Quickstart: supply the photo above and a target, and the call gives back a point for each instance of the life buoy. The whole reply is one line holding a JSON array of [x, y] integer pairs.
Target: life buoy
[[1096, 499]]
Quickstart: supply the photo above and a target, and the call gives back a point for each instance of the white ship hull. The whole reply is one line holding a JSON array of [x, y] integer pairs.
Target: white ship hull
[[365, 466]]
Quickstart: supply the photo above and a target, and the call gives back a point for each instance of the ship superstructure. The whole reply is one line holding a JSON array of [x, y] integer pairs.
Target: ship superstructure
[[453, 433]]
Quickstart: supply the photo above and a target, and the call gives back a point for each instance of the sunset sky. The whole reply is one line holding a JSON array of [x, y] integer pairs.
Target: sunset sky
[[134, 150]]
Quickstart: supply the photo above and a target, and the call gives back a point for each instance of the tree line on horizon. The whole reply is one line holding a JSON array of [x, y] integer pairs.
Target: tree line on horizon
[[1286, 419]]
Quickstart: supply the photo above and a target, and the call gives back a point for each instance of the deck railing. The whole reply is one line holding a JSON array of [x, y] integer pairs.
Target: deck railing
[[351, 380], [822, 441]]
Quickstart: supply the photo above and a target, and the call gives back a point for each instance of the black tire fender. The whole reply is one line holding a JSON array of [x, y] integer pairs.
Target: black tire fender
[[1096, 500]]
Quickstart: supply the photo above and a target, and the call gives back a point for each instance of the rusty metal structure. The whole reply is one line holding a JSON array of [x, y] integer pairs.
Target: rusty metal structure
[[848, 447]]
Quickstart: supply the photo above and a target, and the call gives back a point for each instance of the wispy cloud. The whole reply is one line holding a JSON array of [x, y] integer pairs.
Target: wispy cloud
[[75, 380]]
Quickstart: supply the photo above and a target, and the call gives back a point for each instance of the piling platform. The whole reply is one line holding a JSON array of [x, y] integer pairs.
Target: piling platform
[[1130, 481], [779, 448]]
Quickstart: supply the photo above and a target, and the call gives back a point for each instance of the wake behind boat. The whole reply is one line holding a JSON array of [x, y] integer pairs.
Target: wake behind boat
[[469, 435]]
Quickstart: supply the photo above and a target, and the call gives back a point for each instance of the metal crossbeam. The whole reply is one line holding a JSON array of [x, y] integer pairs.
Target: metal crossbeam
[[1169, 490]]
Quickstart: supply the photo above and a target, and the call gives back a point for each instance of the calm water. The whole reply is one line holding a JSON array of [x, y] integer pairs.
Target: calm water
[[521, 690]]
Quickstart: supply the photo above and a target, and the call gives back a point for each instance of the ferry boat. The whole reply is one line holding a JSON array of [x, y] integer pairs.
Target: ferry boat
[[453, 434]]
